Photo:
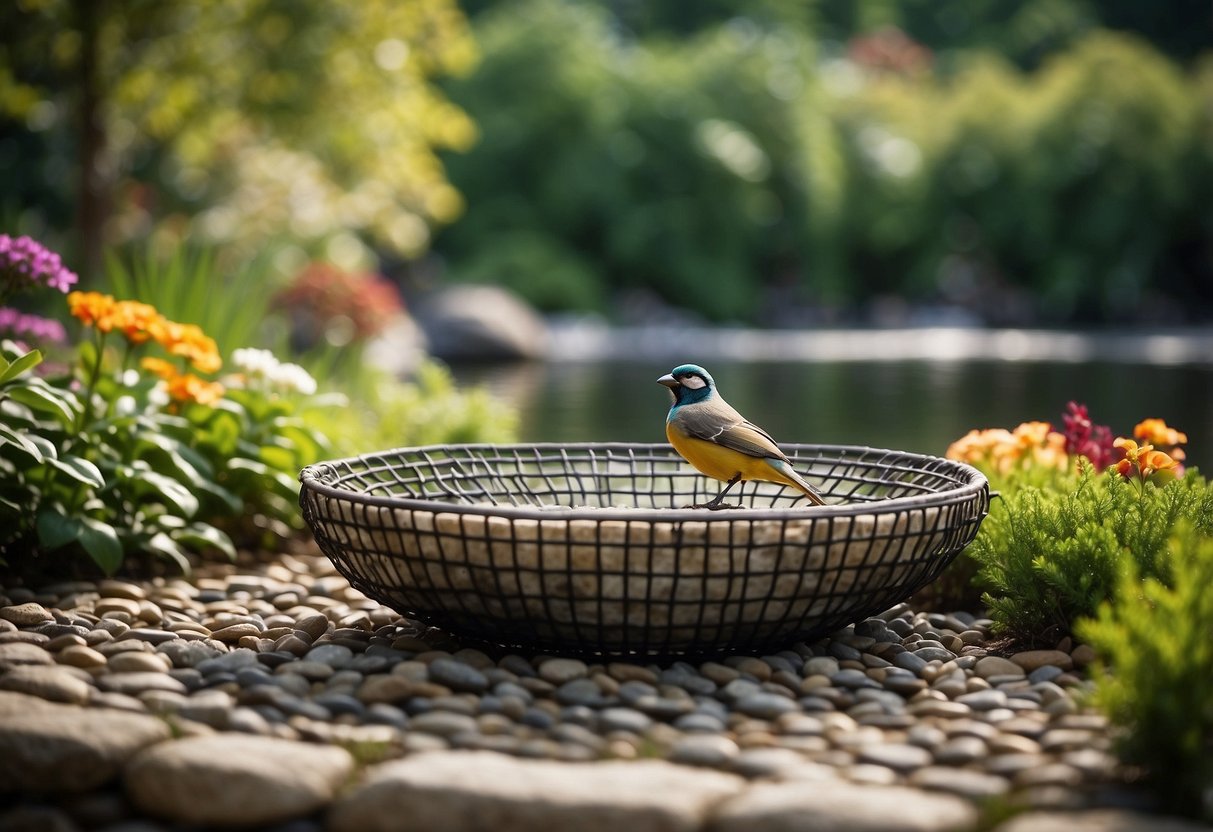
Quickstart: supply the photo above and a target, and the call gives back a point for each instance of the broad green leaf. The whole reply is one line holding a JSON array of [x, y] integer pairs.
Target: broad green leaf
[[20, 365], [223, 433], [21, 440], [233, 503], [280, 459], [80, 470], [169, 491], [46, 447], [56, 530], [172, 453], [45, 399], [203, 536], [284, 483], [102, 544], [163, 545]]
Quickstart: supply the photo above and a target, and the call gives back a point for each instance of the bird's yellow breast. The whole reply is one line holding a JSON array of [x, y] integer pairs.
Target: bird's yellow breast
[[719, 462]]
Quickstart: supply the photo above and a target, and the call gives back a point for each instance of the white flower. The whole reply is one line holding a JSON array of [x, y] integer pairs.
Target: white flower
[[293, 378], [255, 363], [263, 371]]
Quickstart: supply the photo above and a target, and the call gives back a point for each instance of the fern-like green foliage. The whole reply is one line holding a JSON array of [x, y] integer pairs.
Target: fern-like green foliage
[[1051, 555], [1155, 676]]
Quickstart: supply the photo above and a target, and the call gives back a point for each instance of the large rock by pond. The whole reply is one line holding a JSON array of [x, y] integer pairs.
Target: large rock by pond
[[481, 323]]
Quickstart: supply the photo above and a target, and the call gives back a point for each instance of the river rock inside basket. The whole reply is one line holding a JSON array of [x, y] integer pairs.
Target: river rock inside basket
[[616, 580]]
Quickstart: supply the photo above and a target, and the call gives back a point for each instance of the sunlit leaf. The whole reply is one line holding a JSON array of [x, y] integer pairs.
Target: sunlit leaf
[[21, 441], [44, 399], [202, 536], [10, 370], [168, 490], [80, 470], [164, 546]]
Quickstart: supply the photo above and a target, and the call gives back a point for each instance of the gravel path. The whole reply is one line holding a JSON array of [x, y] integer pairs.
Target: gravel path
[[275, 696]]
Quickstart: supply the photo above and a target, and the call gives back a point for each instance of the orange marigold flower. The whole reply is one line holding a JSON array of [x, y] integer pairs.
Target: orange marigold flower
[[1156, 432], [189, 342], [187, 387], [92, 309], [1030, 444], [135, 320], [159, 367]]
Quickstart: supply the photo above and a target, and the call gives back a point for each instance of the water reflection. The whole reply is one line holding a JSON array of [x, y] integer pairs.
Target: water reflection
[[910, 405]]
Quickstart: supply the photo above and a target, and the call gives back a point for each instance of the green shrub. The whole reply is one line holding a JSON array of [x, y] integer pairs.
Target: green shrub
[[732, 164], [127, 457], [386, 412], [1155, 674], [1049, 556]]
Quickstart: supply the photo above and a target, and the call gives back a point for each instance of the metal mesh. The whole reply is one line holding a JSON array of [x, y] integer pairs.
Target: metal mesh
[[589, 548]]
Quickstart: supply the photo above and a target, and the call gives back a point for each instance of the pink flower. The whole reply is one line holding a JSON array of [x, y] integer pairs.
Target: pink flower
[[1084, 438], [20, 325], [25, 264]]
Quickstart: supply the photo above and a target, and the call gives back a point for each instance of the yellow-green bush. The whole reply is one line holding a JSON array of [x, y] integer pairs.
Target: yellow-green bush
[[1155, 675]]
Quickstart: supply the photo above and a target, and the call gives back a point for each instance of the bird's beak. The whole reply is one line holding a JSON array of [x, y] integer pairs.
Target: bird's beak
[[668, 380]]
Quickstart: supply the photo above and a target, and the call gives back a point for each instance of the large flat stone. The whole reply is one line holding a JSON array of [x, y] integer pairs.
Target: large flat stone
[[235, 779], [57, 684], [47, 747], [1098, 820], [456, 791], [841, 807]]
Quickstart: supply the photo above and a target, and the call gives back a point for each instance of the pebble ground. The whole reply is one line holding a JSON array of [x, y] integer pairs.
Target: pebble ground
[[274, 695]]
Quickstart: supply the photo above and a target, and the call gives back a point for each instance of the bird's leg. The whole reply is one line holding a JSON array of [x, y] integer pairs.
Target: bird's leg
[[715, 504]]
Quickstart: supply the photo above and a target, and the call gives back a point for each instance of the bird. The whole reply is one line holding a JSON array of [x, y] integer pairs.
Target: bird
[[721, 443]]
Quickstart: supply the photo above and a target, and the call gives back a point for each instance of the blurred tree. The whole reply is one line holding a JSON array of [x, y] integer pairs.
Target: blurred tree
[[246, 119], [740, 173], [667, 166]]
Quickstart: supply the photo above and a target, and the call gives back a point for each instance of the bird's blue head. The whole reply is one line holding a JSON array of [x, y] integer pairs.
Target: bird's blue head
[[689, 383]]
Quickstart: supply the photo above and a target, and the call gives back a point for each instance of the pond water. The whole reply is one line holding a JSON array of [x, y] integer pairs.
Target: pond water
[[916, 405]]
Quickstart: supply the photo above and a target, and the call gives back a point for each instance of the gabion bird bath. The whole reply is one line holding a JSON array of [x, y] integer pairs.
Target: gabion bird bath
[[588, 549]]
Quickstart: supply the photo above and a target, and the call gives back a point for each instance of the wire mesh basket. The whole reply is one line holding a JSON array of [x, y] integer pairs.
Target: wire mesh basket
[[590, 549]]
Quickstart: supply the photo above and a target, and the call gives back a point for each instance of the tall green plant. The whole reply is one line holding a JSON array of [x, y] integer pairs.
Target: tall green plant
[[233, 308], [1154, 678]]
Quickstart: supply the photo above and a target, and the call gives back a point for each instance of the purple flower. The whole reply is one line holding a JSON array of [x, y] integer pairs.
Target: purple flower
[[25, 264], [19, 325]]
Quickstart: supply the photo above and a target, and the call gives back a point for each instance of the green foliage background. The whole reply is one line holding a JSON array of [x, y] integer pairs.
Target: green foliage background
[[1042, 168]]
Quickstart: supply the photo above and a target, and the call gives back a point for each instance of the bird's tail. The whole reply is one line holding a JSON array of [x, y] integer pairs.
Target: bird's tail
[[814, 496]]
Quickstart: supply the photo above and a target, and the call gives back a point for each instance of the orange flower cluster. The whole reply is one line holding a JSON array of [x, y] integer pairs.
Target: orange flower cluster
[[130, 317], [140, 323], [1144, 463], [1036, 443], [189, 342], [1030, 444], [1156, 432], [183, 387]]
